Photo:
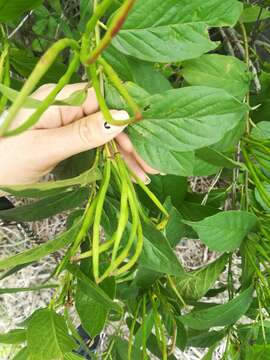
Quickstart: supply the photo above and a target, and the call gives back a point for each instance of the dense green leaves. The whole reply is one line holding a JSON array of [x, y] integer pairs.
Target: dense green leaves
[[183, 22], [219, 315], [226, 230], [47, 336], [218, 71]]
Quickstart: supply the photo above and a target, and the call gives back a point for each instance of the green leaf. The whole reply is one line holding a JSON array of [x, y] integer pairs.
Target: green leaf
[[40, 251], [218, 71], [175, 228], [140, 72], [52, 187], [204, 339], [73, 356], [224, 231], [46, 207], [157, 254], [47, 336], [11, 9], [252, 13], [219, 315], [184, 23], [16, 336], [22, 354], [147, 327], [187, 41], [92, 290], [261, 130], [196, 285], [93, 315], [260, 199], [179, 121]]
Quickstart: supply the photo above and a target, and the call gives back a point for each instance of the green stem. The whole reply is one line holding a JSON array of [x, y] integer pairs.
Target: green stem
[[112, 31], [175, 290], [159, 330], [99, 11], [132, 328], [117, 83], [150, 194], [257, 181], [97, 219], [88, 218], [40, 69], [92, 72], [33, 119]]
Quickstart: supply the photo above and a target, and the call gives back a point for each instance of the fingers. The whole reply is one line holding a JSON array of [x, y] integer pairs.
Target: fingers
[[57, 116], [87, 133], [128, 148]]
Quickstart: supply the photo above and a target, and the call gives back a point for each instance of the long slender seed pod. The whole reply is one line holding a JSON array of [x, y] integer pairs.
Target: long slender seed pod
[[150, 194], [257, 181], [88, 219], [159, 327], [156, 323], [117, 83], [86, 40], [40, 69], [132, 328], [92, 72], [33, 119], [97, 219], [102, 248], [112, 31], [132, 236], [136, 255], [5, 78], [123, 218]]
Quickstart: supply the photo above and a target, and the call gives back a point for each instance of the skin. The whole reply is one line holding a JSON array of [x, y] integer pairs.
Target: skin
[[61, 132]]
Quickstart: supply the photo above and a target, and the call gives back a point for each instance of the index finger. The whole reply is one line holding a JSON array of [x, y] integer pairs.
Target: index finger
[[57, 116]]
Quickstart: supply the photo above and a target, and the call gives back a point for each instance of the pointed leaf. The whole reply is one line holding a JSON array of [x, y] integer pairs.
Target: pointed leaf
[[219, 315], [224, 231], [218, 71], [47, 336]]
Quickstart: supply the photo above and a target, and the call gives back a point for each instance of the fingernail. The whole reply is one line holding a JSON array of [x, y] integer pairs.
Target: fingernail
[[117, 115], [147, 180], [162, 174]]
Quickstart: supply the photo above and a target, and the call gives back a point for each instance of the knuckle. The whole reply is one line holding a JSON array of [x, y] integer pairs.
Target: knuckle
[[84, 131]]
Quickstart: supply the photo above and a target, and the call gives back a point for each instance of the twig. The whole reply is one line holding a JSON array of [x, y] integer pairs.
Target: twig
[[241, 49], [20, 25]]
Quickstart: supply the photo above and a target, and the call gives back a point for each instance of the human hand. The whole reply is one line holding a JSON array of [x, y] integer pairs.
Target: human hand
[[62, 131]]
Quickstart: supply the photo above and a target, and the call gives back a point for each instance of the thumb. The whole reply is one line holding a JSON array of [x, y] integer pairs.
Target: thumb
[[82, 135]]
